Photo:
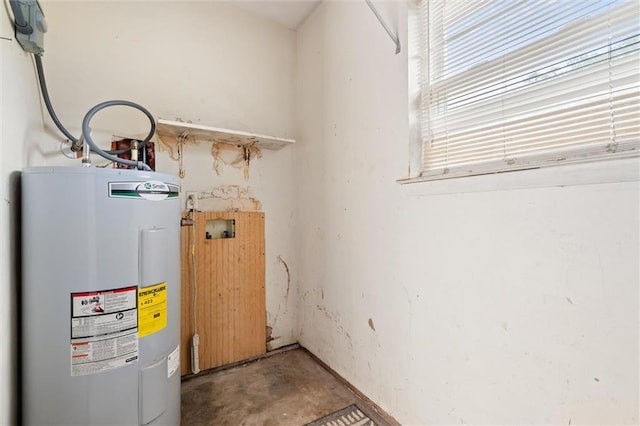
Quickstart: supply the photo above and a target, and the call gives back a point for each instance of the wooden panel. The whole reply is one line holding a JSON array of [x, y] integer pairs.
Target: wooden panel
[[229, 295]]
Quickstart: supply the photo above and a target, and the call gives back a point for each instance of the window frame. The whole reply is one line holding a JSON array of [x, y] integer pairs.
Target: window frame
[[624, 165]]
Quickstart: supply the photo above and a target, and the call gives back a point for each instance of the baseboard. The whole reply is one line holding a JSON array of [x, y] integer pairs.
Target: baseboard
[[243, 362], [378, 411]]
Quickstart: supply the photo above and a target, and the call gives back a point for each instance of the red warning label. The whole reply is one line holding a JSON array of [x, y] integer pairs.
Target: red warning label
[[104, 330]]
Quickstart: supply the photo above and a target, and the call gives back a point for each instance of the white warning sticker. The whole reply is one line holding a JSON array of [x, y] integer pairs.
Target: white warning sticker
[[104, 330], [173, 361]]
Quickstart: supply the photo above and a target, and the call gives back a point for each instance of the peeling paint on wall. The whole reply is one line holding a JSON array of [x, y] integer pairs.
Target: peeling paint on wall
[[237, 156], [270, 339], [175, 148], [234, 155], [171, 147], [229, 198]]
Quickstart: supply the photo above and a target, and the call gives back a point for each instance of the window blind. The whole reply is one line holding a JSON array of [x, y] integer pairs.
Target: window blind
[[510, 84]]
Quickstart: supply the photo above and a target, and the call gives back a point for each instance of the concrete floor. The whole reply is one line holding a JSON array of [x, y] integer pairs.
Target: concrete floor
[[287, 388]]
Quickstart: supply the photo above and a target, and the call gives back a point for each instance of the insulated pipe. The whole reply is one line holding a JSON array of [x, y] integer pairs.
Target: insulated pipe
[[76, 143], [47, 101], [86, 132]]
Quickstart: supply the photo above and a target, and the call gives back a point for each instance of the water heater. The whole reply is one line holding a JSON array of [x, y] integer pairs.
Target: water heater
[[100, 297]]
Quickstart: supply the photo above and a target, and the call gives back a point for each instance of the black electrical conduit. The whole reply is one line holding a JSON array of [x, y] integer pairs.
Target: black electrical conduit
[[86, 131]]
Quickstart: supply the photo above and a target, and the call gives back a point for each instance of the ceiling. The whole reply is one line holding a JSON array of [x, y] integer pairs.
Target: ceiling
[[289, 13]]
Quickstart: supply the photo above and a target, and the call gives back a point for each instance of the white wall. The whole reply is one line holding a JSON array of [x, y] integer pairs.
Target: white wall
[[206, 62], [20, 128], [490, 307], [504, 306]]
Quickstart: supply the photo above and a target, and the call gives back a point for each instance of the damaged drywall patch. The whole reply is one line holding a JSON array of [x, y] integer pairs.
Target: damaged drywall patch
[[229, 198], [174, 146], [237, 156], [271, 340], [223, 153]]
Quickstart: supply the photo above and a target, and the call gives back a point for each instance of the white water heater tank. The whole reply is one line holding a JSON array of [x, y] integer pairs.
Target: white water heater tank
[[100, 297]]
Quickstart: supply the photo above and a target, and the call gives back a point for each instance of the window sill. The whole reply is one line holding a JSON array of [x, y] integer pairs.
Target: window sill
[[612, 171]]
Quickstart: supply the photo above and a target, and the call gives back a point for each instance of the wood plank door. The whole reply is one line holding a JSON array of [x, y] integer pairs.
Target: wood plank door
[[226, 304]]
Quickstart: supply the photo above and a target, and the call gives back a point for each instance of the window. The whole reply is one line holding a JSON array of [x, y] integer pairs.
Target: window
[[514, 84]]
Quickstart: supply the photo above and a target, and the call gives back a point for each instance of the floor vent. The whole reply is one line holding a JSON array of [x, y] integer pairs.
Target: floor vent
[[348, 416]]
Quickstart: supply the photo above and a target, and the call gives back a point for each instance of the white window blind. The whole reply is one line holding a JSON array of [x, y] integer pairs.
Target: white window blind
[[509, 84]]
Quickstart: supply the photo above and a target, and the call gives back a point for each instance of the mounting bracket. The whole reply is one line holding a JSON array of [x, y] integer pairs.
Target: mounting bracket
[[393, 36]]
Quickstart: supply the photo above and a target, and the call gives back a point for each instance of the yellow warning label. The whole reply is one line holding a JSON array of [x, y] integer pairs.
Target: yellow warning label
[[152, 309]]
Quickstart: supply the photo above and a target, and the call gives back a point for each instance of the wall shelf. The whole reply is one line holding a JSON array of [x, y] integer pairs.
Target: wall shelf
[[178, 129]]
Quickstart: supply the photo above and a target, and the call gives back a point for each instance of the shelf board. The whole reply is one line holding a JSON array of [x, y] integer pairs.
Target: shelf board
[[178, 129]]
